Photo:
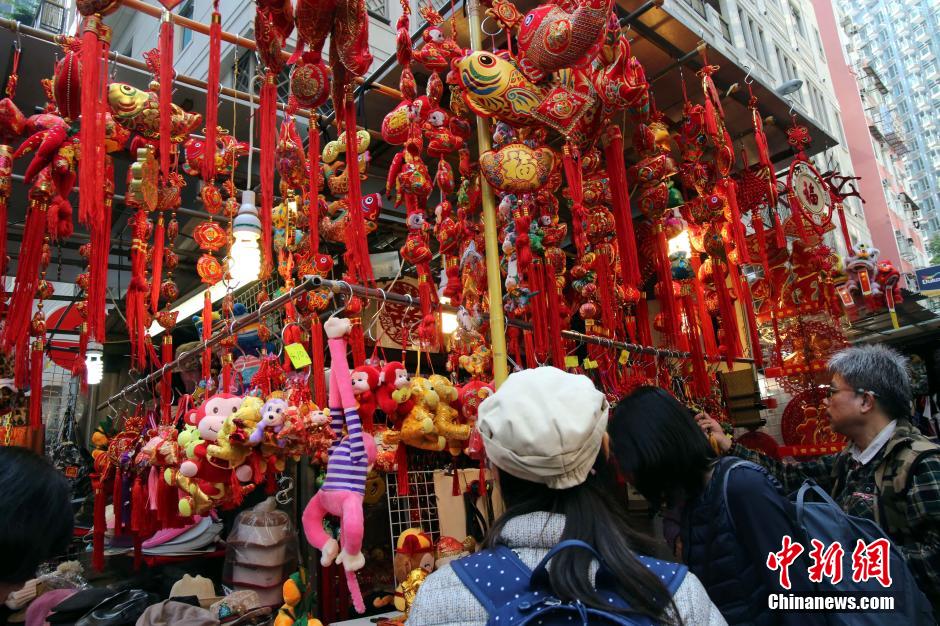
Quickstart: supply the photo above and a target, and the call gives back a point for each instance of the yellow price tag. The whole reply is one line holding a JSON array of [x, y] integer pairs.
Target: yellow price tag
[[571, 362], [589, 364], [298, 355], [624, 357]]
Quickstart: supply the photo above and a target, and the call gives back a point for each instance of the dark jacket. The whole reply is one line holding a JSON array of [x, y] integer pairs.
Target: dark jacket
[[727, 535]]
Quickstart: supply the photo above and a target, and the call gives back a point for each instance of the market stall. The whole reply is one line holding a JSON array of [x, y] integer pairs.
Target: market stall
[[575, 184]]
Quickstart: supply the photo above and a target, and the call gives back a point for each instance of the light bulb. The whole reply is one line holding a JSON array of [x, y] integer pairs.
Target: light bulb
[[244, 263], [245, 259], [94, 363], [680, 243], [448, 323]]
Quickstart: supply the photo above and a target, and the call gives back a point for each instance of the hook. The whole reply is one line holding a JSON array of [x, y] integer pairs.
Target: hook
[[486, 32], [286, 484], [346, 301], [747, 77], [19, 36]]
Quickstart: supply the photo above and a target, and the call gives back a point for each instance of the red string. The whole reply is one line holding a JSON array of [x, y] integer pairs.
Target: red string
[[35, 385], [14, 74], [212, 93], [313, 195], [27, 273], [166, 92], [268, 131], [156, 259], [623, 214]]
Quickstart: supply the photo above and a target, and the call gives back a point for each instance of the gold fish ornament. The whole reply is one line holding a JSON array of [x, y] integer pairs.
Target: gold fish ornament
[[517, 168], [139, 111]]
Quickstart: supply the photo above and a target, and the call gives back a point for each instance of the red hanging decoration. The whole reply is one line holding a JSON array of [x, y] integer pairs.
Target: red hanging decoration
[[98, 261], [319, 362], [267, 138], [313, 198], [35, 384], [166, 388], [212, 93], [97, 482], [359, 246], [206, 335], [166, 94], [32, 249], [96, 37], [156, 273], [623, 213]]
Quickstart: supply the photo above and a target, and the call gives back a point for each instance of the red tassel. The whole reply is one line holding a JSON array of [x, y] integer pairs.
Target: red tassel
[[605, 285], [401, 462], [747, 303], [97, 555], [558, 345], [530, 358], [98, 266], [729, 318], [21, 363], [643, 321], [737, 226], [539, 279], [699, 371], [166, 387], [166, 94], [27, 272], [623, 214], [92, 151], [35, 384], [156, 256], [206, 335], [704, 317], [513, 332], [666, 293], [268, 133], [781, 238], [313, 196], [359, 246], [357, 343], [117, 500], [212, 93], [319, 362], [455, 483]]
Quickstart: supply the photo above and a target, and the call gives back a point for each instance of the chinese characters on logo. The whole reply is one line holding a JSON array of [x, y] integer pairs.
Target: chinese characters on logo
[[869, 561]]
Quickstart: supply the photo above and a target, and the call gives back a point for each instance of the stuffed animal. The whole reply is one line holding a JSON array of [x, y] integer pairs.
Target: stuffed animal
[[446, 417], [394, 393], [469, 397], [414, 551], [350, 461], [417, 429], [365, 382], [299, 602], [273, 414], [209, 481]]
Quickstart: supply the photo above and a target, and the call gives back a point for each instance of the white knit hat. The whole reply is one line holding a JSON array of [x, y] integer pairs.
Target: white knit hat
[[544, 425]]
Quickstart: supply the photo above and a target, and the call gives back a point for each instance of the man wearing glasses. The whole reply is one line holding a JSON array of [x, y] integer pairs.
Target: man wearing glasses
[[888, 473]]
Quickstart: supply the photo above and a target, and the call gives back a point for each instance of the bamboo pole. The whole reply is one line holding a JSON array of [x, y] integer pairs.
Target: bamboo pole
[[490, 233]]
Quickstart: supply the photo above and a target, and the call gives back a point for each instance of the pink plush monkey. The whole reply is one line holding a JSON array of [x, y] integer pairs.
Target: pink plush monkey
[[350, 459]]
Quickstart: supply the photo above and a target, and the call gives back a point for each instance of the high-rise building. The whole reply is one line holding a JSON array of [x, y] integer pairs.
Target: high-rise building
[[897, 47], [779, 41], [876, 149]]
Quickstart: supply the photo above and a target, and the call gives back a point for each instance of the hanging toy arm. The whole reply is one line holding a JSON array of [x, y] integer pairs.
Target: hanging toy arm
[[342, 399]]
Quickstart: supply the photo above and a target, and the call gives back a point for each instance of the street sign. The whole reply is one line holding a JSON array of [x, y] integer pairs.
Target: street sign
[[928, 280]]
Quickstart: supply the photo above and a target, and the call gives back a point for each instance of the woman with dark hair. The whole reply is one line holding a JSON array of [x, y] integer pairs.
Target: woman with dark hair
[[35, 516], [731, 513], [543, 430]]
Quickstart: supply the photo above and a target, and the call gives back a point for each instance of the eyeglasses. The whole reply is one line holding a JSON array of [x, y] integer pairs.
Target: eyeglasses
[[831, 390]]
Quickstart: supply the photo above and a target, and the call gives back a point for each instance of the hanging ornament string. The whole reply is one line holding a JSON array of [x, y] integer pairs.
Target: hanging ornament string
[[14, 76], [212, 93], [166, 90]]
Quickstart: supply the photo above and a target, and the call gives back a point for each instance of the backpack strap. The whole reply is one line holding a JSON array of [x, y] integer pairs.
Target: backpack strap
[[669, 573], [724, 486], [893, 480], [493, 576]]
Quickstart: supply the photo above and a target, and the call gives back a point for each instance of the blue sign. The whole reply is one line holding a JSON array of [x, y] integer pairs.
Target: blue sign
[[928, 280]]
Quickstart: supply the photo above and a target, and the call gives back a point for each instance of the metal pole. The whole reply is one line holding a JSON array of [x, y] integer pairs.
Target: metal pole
[[493, 283]]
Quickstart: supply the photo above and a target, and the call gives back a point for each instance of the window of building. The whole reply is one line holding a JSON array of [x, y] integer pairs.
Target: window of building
[[186, 11], [378, 9], [798, 21]]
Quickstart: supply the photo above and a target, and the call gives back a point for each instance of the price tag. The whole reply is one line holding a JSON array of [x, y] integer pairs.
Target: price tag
[[624, 357], [571, 362], [298, 355], [589, 364]]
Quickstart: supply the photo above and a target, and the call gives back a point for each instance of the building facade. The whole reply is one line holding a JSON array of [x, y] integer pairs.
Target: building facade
[[896, 46], [778, 41], [867, 114]]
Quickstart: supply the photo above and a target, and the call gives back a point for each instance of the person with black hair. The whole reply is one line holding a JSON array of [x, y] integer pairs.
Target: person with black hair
[[730, 513], [35, 516], [544, 432]]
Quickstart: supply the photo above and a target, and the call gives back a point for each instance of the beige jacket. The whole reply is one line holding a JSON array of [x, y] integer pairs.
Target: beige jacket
[[443, 599]]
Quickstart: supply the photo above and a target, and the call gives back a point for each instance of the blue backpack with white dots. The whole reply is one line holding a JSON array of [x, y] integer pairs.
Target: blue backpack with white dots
[[514, 595]]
